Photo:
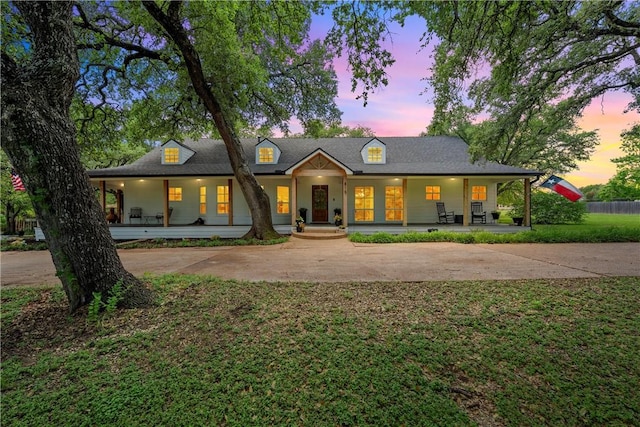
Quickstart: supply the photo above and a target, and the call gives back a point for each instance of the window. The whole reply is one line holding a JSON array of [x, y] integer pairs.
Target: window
[[222, 199], [393, 203], [175, 194], [432, 192], [374, 154], [364, 204], [265, 155], [479, 192], [282, 203], [203, 200], [171, 155]]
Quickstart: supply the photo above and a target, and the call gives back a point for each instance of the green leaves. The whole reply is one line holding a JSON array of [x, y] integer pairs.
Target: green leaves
[[256, 58]]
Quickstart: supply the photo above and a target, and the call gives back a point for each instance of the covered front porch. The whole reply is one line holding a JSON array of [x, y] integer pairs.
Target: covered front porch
[[158, 231]]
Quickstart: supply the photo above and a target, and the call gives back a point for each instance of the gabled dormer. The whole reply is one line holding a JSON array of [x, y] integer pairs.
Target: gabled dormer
[[374, 152], [174, 153], [267, 153]]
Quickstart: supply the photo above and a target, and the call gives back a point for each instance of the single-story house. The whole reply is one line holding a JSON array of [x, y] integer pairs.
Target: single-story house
[[373, 181]]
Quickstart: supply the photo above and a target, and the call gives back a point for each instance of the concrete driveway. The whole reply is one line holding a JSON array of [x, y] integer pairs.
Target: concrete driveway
[[341, 260]]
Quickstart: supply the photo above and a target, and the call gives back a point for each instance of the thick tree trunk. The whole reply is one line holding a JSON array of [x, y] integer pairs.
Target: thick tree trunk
[[255, 196], [39, 138]]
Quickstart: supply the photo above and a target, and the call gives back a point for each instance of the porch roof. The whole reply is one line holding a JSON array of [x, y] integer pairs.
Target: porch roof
[[415, 156]]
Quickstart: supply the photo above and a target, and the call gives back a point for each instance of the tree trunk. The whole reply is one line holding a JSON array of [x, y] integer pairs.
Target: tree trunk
[[255, 196], [10, 216], [39, 139]]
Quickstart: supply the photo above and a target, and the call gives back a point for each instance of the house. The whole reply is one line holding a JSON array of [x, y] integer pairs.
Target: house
[[373, 181]]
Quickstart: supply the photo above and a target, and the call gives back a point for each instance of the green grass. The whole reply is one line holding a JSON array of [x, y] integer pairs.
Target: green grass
[[530, 352], [597, 228]]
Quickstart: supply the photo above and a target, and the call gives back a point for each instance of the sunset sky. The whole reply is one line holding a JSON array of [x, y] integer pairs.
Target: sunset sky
[[400, 109]]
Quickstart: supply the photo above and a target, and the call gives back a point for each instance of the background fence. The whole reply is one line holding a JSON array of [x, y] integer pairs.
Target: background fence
[[26, 225], [614, 207]]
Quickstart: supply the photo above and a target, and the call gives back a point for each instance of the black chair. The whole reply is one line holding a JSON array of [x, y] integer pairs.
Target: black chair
[[478, 213], [443, 215], [160, 216], [135, 213]]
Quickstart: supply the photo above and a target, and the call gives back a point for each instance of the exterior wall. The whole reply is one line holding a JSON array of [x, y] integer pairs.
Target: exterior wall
[[148, 194], [145, 194], [378, 194], [270, 186], [422, 211], [335, 192]]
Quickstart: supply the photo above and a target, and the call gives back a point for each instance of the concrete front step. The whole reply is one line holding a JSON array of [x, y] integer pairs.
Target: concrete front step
[[320, 233]]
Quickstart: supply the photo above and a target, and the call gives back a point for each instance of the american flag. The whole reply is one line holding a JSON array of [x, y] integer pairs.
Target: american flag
[[17, 182]]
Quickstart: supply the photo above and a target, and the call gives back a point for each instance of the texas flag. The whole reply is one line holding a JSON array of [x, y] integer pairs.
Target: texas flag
[[563, 188]]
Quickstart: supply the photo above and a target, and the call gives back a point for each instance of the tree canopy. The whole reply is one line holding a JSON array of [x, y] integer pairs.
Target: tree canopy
[[625, 184], [529, 55], [522, 71], [257, 60]]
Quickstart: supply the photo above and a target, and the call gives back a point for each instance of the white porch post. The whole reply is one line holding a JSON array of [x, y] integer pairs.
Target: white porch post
[[344, 201], [465, 202], [527, 202]]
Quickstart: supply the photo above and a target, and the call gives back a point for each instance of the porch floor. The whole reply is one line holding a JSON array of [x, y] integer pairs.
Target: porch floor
[[157, 231]]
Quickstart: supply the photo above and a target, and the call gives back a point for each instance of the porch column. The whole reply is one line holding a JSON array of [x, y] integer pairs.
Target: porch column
[[103, 195], [119, 206], [344, 201], [230, 217], [465, 202], [165, 203], [404, 202], [294, 199], [527, 202]]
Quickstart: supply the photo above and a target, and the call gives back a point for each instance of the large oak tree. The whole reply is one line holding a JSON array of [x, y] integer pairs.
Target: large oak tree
[[203, 68], [39, 73]]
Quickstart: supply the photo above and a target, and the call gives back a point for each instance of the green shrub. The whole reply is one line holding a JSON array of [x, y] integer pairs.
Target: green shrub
[[551, 208]]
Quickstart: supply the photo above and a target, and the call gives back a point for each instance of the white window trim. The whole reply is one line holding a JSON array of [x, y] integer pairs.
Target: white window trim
[[374, 143]]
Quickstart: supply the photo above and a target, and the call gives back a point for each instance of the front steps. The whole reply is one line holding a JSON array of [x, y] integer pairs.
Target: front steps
[[320, 233]]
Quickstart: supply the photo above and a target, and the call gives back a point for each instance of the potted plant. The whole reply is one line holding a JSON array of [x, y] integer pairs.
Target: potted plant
[[303, 214], [300, 224], [337, 217], [495, 215], [517, 214]]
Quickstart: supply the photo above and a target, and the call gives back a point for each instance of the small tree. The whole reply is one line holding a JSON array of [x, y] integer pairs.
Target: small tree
[[551, 208]]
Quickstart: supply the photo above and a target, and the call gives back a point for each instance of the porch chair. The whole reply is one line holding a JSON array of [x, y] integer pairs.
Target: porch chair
[[443, 215], [160, 215], [135, 213], [478, 213]]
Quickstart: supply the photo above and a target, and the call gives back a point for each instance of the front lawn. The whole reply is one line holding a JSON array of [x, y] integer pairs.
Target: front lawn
[[529, 352], [597, 228]]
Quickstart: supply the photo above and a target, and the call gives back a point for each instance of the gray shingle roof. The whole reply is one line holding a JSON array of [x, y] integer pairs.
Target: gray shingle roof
[[437, 155]]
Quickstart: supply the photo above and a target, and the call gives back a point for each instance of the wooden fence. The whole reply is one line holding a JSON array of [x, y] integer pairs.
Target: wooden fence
[[26, 225], [614, 207]]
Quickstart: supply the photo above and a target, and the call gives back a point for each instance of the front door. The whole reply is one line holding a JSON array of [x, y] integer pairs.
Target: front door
[[320, 212]]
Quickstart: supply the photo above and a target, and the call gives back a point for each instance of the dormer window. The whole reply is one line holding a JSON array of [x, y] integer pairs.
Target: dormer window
[[267, 153], [171, 155], [374, 152], [174, 153], [374, 155]]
